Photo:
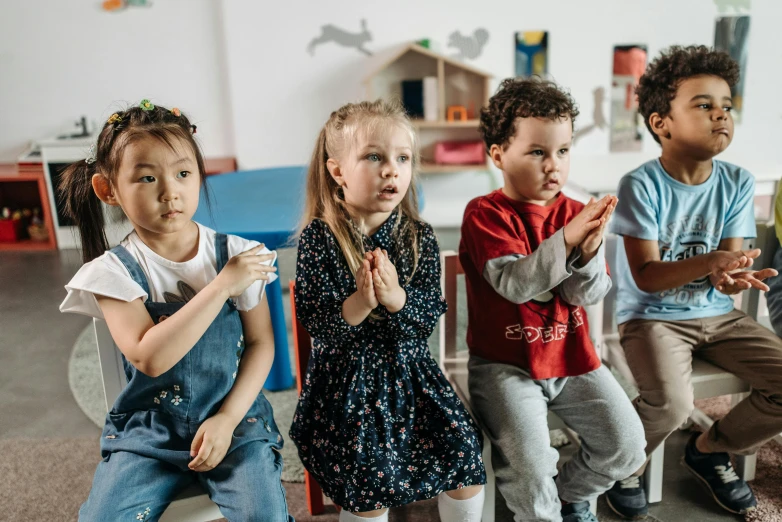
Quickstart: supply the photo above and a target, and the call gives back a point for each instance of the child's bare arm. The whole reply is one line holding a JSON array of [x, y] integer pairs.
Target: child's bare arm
[[652, 275], [155, 348]]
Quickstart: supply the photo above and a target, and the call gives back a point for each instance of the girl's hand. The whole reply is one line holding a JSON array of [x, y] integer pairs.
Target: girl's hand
[[386, 282], [211, 442], [586, 221], [594, 238], [243, 270], [365, 283]]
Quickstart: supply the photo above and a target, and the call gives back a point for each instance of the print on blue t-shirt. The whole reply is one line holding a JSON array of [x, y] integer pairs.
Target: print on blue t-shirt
[[686, 221]]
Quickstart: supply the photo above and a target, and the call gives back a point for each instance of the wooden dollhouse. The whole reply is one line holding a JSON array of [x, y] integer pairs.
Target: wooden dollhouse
[[455, 94]]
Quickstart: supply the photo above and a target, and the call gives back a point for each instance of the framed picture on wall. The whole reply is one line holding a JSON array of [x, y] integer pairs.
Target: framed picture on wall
[[531, 51]]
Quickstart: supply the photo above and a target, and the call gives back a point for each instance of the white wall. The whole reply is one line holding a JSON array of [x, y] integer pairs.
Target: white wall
[[241, 68], [63, 59], [282, 95]]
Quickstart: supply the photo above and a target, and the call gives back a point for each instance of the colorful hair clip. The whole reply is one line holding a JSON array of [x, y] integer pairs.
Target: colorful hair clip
[[175, 112], [114, 118], [91, 157], [194, 128], [146, 105]]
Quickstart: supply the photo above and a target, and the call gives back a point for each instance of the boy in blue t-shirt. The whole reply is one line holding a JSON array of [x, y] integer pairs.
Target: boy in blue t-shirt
[[683, 218]]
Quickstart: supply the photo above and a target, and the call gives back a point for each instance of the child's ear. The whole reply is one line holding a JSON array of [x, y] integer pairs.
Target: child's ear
[[659, 125], [103, 189], [495, 153], [336, 172]]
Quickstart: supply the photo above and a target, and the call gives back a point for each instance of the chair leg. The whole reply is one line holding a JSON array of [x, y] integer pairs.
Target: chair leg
[[314, 494], [490, 488], [654, 475], [745, 464]]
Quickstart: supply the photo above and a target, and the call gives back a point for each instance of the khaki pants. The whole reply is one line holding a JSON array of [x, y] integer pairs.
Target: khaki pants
[[660, 354]]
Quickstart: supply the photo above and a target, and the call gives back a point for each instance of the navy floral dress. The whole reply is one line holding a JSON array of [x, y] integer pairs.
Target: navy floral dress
[[377, 423]]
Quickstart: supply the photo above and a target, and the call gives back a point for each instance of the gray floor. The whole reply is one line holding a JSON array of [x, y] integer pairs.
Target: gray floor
[[36, 341]]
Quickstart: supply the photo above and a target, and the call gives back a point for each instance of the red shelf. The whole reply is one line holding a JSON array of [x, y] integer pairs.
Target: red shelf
[[27, 244], [10, 173]]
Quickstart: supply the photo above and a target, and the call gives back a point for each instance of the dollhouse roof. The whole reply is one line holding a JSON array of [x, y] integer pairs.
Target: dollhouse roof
[[383, 59]]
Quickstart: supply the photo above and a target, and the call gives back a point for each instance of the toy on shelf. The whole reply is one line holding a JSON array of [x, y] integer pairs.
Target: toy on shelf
[[36, 228], [456, 112], [11, 229], [459, 153]]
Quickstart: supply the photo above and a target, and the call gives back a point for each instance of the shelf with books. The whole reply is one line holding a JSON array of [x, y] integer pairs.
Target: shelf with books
[[442, 95]]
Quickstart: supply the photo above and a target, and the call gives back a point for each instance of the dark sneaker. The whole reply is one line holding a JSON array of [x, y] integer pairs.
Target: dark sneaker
[[716, 472], [578, 512], [627, 498]]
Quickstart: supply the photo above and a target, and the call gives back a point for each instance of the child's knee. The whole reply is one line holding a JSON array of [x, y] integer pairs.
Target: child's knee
[[666, 409], [96, 511]]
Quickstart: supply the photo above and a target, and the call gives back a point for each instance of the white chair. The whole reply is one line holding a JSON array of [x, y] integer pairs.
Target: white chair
[[753, 301], [453, 363], [707, 380], [193, 504]]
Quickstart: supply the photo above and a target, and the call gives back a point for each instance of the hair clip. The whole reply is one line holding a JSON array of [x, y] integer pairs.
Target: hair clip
[[194, 128], [114, 118], [91, 158], [175, 112], [146, 105]]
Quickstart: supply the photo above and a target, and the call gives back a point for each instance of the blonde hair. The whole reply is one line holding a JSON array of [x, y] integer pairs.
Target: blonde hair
[[325, 200]]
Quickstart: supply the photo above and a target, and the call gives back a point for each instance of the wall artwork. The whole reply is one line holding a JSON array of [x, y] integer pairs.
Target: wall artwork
[[627, 125], [117, 5], [339, 36], [469, 47], [531, 50], [731, 34]]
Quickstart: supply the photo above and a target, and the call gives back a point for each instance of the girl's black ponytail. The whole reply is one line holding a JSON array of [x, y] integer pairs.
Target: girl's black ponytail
[[83, 206]]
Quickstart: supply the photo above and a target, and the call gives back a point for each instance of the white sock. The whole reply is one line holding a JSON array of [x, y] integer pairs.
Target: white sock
[[347, 516], [468, 510]]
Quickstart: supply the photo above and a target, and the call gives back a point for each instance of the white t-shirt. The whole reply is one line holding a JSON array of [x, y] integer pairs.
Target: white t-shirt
[[107, 276]]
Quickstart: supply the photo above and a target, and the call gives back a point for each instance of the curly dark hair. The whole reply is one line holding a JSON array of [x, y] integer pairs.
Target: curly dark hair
[[658, 85], [523, 98]]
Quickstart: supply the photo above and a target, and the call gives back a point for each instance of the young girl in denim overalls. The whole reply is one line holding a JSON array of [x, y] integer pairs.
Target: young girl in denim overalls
[[185, 307]]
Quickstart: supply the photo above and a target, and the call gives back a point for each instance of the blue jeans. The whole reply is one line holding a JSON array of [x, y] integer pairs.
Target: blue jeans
[[246, 486], [774, 294]]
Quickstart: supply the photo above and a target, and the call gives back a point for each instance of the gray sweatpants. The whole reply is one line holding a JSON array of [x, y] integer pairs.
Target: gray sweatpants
[[513, 409]]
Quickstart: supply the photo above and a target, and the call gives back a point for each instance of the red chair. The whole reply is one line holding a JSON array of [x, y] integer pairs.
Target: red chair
[[303, 343]]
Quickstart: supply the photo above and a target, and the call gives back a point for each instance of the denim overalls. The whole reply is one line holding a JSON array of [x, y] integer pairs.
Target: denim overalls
[[146, 439]]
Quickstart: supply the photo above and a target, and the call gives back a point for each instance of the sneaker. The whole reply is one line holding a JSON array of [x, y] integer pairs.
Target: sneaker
[[627, 498], [716, 472], [578, 512]]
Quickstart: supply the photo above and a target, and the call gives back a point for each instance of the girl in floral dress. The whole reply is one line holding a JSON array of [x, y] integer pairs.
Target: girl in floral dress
[[377, 423]]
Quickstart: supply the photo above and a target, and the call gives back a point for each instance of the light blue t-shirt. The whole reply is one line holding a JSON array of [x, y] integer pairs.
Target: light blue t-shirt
[[686, 221]]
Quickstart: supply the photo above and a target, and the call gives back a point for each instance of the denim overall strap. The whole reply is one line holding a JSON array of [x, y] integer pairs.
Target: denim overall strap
[[221, 254], [221, 250], [133, 267]]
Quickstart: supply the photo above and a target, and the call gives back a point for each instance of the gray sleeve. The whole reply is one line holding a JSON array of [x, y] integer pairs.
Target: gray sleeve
[[519, 278], [588, 284]]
